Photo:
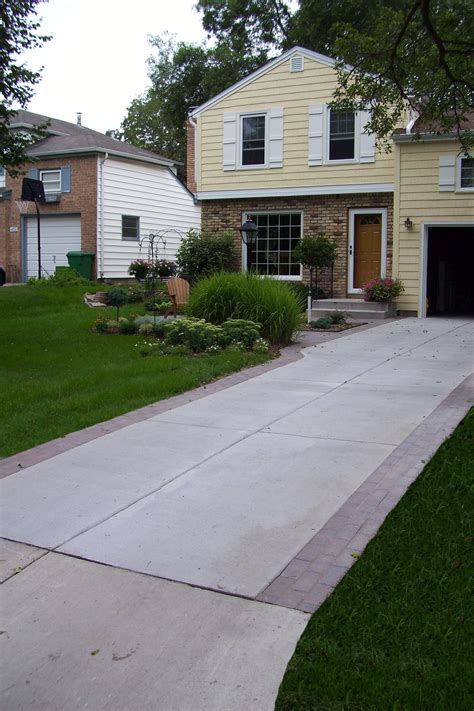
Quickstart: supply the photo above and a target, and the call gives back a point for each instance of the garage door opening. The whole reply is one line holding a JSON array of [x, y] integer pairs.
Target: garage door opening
[[450, 286]]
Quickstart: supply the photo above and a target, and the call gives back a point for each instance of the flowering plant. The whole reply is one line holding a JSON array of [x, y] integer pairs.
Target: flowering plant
[[139, 268], [164, 268], [383, 290]]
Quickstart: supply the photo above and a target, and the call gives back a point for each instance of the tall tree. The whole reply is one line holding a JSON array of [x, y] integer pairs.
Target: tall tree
[[182, 76], [421, 56], [18, 32]]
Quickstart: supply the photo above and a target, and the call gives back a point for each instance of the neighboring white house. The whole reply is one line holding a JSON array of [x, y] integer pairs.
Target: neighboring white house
[[103, 196]]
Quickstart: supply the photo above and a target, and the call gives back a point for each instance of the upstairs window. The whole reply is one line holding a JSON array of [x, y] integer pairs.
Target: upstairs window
[[253, 139], [51, 180], [130, 227], [341, 135], [2, 177], [466, 177]]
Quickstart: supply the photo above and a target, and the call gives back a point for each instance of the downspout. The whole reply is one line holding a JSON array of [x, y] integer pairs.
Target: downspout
[[101, 233], [193, 123]]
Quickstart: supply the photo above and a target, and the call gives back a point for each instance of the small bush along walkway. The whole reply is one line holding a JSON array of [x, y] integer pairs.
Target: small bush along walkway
[[397, 632], [58, 376]]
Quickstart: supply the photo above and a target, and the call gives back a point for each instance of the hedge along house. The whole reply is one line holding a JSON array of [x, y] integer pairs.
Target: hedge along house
[[434, 222], [270, 148], [102, 194]]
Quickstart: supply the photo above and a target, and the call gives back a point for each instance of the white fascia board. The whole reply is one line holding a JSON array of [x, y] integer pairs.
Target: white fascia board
[[308, 53], [92, 149], [297, 192], [424, 137]]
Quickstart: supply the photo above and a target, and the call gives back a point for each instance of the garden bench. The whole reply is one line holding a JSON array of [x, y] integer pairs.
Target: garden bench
[[178, 292]]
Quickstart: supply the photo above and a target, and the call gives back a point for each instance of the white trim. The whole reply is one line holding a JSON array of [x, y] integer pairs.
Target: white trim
[[95, 149], [350, 257], [423, 280], [309, 54], [356, 189], [246, 216], [459, 160]]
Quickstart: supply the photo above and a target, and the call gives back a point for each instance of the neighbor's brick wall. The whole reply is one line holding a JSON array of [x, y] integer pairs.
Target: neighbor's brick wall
[[82, 199], [190, 157], [328, 214]]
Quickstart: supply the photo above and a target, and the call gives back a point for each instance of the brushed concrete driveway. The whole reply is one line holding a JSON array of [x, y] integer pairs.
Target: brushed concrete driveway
[[220, 494]]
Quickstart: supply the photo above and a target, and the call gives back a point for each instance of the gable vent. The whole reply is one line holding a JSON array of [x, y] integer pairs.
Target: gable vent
[[296, 64]]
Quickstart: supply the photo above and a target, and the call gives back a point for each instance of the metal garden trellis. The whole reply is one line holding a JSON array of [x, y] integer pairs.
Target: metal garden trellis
[[155, 243]]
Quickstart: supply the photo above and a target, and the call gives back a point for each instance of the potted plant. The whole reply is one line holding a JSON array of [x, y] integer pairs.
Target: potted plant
[[164, 268], [139, 269], [383, 290]]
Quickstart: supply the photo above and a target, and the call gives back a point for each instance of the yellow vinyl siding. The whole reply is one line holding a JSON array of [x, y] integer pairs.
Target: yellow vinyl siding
[[418, 197], [295, 93]]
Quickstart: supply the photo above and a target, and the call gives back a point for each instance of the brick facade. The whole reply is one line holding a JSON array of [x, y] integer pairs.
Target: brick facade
[[325, 213], [82, 199]]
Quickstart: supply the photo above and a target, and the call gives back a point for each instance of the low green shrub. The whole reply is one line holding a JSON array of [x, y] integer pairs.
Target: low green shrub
[[196, 334], [145, 329], [247, 332], [232, 295], [100, 325], [260, 345], [136, 293], [63, 276], [126, 326], [325, 322], [112, 326], [338, 317]]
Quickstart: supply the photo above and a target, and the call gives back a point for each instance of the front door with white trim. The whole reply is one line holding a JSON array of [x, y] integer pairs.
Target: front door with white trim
[[367, 246]]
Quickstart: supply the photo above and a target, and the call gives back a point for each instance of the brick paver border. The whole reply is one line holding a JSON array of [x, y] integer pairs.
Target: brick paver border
[[314, 573], [29, 457]]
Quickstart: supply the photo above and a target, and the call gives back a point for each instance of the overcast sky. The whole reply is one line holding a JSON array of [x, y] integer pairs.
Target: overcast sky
[[96, 60]]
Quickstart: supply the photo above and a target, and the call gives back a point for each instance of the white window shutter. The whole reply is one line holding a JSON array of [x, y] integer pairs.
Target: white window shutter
[[447, 173], [275, 138], [367, 140], [315, 135], [230, 141]]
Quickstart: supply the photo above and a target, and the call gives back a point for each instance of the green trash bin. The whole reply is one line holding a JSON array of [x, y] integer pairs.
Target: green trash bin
[[82, 262]]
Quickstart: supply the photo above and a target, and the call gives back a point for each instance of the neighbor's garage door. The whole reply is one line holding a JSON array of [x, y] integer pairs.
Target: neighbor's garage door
[[59, 235]]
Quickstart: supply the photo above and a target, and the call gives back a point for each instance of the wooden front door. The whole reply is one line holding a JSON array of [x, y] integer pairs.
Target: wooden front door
[[367, 252]]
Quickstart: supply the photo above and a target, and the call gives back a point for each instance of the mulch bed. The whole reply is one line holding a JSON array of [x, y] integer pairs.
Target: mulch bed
[[335, 328]]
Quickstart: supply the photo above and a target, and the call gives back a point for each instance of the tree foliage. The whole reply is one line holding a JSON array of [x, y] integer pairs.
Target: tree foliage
[[182, 76], [420, 56], [18, 32]]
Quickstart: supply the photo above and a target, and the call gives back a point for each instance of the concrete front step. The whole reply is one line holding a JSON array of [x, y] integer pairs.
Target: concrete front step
[[354, 308]]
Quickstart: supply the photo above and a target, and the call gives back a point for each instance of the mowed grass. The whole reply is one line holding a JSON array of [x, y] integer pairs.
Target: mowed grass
[[58, 376], [397, 633]]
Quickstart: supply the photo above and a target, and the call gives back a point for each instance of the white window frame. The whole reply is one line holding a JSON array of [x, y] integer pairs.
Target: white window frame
[[51, 191], [350, 246], [279, 277], [459, 161], [248, 114], [327, 132], [3, 176]]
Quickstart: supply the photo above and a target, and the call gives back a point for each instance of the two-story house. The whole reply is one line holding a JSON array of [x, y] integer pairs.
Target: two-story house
[[102, 196], [270, 148]]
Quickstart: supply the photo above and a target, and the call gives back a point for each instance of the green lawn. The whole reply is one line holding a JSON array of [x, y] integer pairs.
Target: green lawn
[[397, 632], [57, 376]]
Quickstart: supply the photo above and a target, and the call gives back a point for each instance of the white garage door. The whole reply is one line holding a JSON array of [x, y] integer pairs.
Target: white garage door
[[59, 235]]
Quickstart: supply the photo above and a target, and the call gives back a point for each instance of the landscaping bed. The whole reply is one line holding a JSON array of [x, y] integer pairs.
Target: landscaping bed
[[397, 631], [58, 375], [334, 328]]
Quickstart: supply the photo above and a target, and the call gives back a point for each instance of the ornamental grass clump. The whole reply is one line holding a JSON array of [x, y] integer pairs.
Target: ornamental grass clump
[[383, 290], [231, 295]]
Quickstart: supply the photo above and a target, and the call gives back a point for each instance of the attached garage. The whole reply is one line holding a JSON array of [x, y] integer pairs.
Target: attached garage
[[60, 234], [449, 282]]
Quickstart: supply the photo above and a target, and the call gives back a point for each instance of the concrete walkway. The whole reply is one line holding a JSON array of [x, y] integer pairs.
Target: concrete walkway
[[218, 503]]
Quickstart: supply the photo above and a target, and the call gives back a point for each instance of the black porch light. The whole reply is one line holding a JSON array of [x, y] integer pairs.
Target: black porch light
[[248, 232]]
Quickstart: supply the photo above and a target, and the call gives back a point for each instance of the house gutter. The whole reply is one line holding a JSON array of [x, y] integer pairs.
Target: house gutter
[[101, 232]]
